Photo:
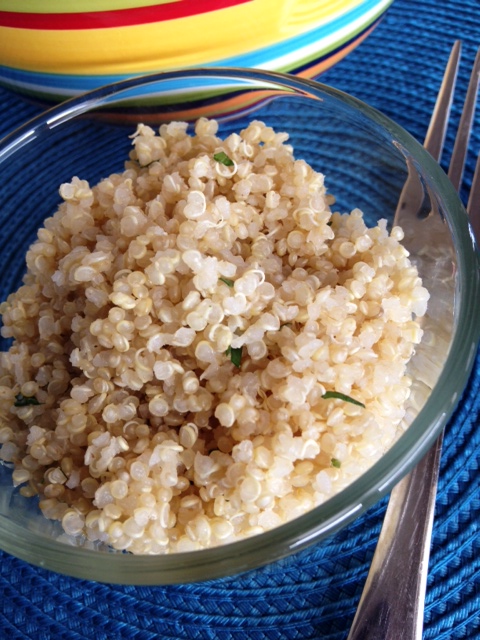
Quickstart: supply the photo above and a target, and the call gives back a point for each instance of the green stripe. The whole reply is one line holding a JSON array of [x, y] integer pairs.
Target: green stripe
[[74, 6]]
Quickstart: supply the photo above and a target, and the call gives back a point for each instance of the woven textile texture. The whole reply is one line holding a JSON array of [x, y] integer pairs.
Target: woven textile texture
[[314, 593]]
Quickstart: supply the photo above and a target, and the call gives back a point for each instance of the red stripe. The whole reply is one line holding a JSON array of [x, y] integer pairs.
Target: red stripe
[[110, 19]]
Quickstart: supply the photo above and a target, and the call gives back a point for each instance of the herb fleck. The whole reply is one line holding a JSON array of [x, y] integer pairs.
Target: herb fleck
[[223, 159], [24, 401], [235, 355], [342, 396], [336, 463], [227, 281]]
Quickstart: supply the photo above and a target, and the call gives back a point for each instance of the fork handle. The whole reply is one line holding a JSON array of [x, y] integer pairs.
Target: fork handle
[[392, 603]]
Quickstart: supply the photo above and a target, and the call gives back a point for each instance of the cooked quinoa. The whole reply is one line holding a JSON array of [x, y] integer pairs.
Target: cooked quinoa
[[178, 336]]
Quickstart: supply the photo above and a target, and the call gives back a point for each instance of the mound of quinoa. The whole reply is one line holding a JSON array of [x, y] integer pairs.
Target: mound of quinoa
[[178, 332]]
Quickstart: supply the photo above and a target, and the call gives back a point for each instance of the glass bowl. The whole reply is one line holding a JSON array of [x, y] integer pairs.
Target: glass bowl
[[367, 159]]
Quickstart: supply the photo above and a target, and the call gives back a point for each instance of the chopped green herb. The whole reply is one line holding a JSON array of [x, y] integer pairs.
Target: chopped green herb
[[342, 396], [235, 355], [227, 281], [336, 463], [223, 159], [286, 324], [24, 401]]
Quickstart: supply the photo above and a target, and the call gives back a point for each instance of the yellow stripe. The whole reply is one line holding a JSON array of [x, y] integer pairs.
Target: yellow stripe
[[75, 6], [173, 44]]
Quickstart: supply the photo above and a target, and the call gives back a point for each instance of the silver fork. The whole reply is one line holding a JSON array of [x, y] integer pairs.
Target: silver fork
[[393, 598]]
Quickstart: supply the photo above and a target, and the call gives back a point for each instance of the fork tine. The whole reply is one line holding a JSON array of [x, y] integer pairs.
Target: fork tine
[[435, 138], [412, 195], [457, 163], [473, 206]]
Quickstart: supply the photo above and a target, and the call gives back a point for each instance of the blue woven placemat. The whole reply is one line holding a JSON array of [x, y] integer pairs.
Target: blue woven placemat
[[313, 594]]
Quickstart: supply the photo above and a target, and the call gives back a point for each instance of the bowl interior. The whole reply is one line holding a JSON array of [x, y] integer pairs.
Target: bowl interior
[[367, 161]]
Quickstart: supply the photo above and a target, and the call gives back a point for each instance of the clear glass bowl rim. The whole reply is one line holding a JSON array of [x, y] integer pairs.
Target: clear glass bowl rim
[[370, 487]]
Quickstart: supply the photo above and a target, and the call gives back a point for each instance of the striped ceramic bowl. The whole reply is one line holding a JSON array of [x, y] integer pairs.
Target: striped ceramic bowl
[[52, 49]]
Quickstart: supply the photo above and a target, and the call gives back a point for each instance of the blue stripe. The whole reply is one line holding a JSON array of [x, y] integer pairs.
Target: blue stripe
[[85, 83]]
